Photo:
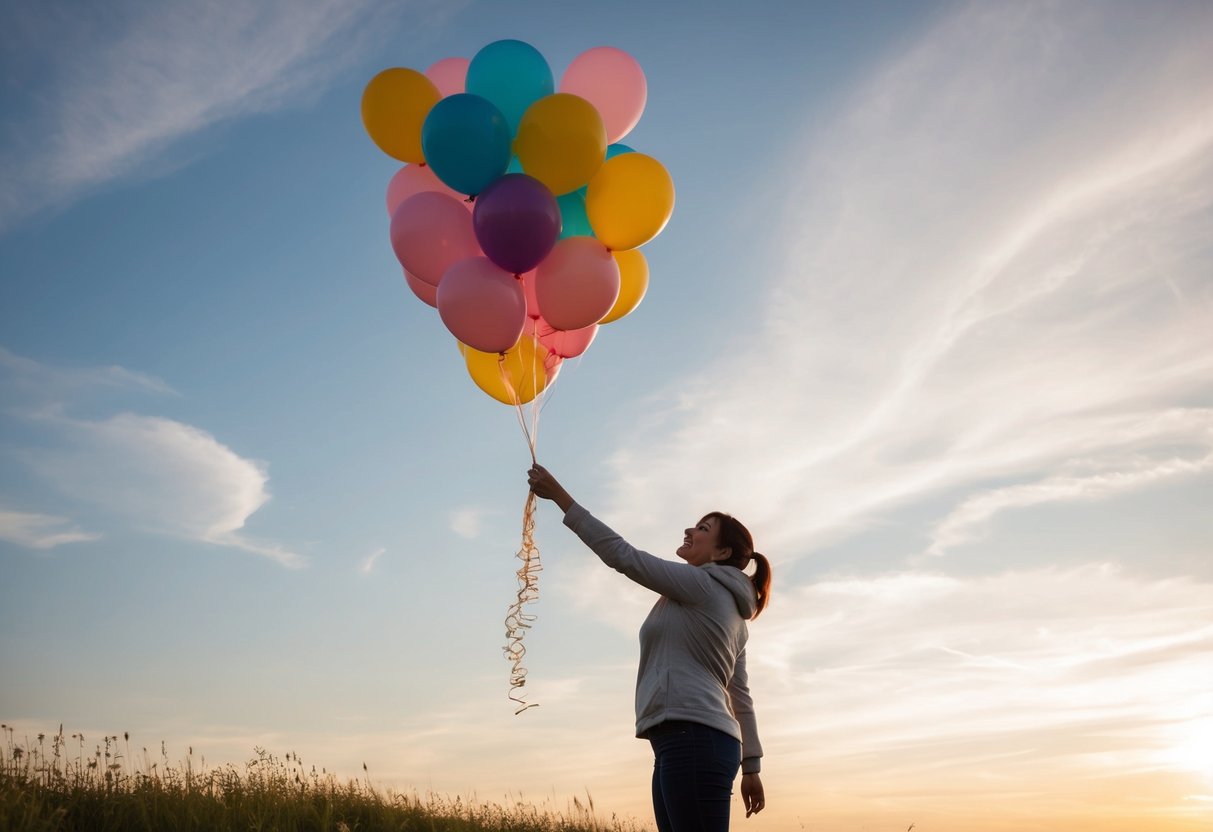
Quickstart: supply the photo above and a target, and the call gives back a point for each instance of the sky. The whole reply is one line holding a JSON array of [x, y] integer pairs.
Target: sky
[[933, 316]]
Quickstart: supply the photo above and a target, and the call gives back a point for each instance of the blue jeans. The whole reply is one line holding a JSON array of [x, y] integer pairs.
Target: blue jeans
[[693, 771]]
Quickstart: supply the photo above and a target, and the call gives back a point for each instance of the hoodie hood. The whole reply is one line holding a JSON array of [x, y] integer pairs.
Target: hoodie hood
[[739, 586]]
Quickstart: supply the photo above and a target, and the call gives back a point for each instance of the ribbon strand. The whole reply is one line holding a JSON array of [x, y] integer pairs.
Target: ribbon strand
[[517, 622]]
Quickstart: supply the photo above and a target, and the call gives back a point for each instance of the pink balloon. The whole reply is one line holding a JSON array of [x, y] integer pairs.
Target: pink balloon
[[577, 284], [424, 291], [431, 231], [562, 343], [449, 75], [482, 305], [614, 83], [414, 179]]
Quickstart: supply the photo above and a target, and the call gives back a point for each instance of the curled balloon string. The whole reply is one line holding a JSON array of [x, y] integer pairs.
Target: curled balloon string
[[518, 622]]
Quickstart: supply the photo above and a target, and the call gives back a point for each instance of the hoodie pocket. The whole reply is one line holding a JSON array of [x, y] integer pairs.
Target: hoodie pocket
[[652, 694]]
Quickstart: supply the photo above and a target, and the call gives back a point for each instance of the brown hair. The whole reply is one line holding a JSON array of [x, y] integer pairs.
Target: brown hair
[[731, 534]]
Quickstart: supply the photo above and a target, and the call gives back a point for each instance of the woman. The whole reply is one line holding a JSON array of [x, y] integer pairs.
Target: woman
[[692, 699]]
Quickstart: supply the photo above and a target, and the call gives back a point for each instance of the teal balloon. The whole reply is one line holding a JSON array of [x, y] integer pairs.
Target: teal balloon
[[573, 219], [512, 75], [515, 166], [466, 142]]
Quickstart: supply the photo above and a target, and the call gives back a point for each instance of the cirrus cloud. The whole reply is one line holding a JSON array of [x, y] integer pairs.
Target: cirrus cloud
[[985, 277], [98, 94]]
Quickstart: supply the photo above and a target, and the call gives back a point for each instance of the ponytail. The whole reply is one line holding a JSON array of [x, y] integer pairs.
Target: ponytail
[[731, 534], [761, 579]]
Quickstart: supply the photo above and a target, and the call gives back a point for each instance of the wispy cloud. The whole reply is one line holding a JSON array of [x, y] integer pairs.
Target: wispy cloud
[[968, 520], [98, 93], [40, 531], [368, 563], [29, 380], [996, 267], [148, 472], [467, 521]]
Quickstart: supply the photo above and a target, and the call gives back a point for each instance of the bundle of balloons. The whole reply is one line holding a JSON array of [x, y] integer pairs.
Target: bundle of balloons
[[519, 214]]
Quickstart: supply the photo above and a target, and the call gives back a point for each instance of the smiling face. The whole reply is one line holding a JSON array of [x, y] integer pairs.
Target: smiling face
[[699, 543]]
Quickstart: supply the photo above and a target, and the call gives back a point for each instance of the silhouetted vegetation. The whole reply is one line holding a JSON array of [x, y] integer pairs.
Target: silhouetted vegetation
[[63, 783]]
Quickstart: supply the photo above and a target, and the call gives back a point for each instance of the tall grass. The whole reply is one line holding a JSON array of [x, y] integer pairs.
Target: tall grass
[[65, 783]]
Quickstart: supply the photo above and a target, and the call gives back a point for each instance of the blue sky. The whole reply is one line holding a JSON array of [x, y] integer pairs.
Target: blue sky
[[932, 316]]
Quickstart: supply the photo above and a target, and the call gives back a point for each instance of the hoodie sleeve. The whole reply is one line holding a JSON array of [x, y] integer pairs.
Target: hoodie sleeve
[[677, 581], [743, 711]]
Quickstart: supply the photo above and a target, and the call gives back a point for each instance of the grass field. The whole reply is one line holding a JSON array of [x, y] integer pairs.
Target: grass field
[[60, 782]]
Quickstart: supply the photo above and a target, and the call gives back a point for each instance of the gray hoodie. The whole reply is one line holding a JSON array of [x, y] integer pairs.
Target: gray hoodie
[[692, 645]]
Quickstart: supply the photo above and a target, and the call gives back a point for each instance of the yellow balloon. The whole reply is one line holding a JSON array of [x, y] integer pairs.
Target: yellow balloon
[[629, 201], [516, 378], [561, 142], [633, 283], [394, 106]]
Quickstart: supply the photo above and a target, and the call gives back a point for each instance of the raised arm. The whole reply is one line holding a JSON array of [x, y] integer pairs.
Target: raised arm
[[677, 581]]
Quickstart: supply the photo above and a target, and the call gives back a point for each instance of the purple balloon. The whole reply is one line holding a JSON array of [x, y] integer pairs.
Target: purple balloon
[[517, 221]]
